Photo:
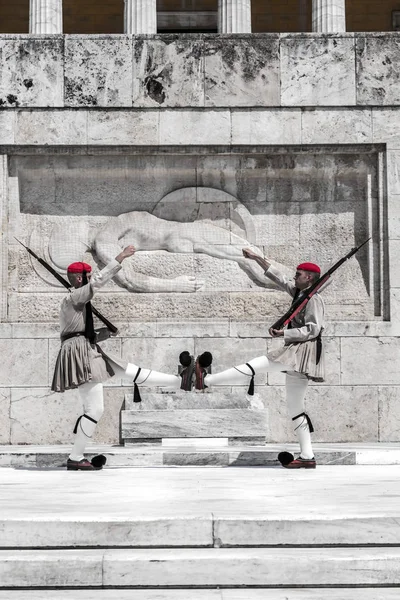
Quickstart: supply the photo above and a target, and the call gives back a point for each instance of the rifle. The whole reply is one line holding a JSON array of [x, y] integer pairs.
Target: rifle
[[299, 304], [67, 285]]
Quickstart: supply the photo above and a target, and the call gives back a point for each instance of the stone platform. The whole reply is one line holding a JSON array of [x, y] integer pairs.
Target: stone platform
[[204, 452], [155, 530]]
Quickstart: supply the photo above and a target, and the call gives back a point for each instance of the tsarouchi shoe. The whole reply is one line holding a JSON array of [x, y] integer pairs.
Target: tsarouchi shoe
[[301, 463], [79, 465]]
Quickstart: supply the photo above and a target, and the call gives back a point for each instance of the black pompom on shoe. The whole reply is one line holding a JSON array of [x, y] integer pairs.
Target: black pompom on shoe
[[98, 461], [205, 359], [285, 458]]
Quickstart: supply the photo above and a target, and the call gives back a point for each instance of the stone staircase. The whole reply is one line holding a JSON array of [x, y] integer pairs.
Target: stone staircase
[[200, 555]]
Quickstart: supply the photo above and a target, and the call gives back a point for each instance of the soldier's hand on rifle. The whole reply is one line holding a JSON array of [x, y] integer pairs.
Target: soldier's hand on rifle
[[276, 332], [126, 252], [247, 253]]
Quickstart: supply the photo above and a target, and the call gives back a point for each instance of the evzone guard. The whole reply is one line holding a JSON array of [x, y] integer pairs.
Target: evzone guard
[[83, 365], [301, 358]]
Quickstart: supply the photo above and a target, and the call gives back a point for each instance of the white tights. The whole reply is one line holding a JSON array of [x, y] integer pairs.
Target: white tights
[[296, 387], [91, 395]]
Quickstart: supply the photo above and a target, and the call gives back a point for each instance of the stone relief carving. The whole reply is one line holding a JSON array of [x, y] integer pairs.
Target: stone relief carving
[[200, 221]]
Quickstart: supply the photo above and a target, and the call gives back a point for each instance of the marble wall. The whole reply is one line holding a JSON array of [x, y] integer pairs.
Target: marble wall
[[291, 142]]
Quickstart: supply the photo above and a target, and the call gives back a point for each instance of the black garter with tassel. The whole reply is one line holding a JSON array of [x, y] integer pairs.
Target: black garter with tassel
[[136, 393], [251, 386]]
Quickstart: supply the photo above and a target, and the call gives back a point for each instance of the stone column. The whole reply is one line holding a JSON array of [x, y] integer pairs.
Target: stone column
[[140, 16], [45, 16], [234, 16], [329, 16]]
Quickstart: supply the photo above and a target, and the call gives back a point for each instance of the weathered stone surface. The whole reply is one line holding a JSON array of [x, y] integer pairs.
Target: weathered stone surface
[[242, 71], [39, 416], [195, 400], [344, 414], [31, 71], [384, 127], [208, 329], [317, 70], [336, 126], [51, 127], [20, 362], [194, 423], [5, 423], [123, 127], [8, 126], [273, 126], [389, 413], [378, 75], [193, 127], [381, 368], [168, 71], [394, 255], [98, 70]]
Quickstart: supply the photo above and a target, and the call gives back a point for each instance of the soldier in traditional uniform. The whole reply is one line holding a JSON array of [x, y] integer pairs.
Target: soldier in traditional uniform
[[301, 358], [82, 364]]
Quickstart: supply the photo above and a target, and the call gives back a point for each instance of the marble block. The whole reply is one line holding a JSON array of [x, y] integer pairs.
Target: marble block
[[168, 71], [196, 531], [377, 69], [389, 413], [31, 71], [339, 531], [56, 128], [337, 126], [58, 568], [242, 70], [5, 423], [193, 400], [123, 128], [192, 127], [379, 368], [232, 567], [19, 364], [271, 126], [98, 70], [317, 70], [8, 126], [386, 127], [193, 423], [39, 416]]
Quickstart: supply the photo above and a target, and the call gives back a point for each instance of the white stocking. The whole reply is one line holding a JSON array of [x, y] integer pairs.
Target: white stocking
[[149, 378], [296, 387], [242, 374], [91, 395]]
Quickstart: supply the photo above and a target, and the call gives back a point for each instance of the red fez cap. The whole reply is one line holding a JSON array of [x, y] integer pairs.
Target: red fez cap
[[79, 267], [309, 267]]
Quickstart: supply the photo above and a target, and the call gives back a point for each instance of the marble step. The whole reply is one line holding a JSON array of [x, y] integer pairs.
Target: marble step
[[201, 531], [188, 452], [209, 594], [206, 567]]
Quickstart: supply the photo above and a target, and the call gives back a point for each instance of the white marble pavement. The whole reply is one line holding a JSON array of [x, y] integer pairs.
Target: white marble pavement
[[54, 520]]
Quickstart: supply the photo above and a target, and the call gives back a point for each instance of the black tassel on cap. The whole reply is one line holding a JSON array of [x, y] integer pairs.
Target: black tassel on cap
[[251, 386], [136, 393]]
